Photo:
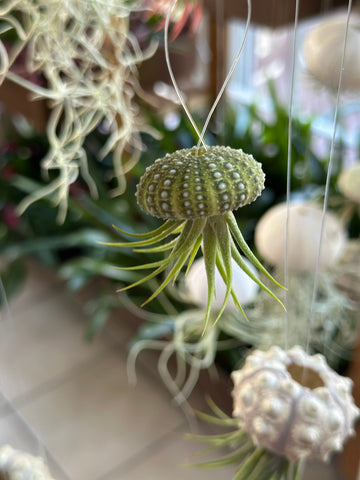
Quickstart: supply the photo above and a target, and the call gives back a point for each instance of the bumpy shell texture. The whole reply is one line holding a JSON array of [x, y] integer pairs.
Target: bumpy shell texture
[[17, 465], [294, 411], [197, 183]]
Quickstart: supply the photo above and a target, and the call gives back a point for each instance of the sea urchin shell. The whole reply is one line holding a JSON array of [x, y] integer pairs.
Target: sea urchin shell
[[197, 183], [18, 465], [195, 191], [293, 404]]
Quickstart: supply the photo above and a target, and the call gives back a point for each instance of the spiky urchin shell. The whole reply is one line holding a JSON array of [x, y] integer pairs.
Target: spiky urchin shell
[[197, 183], [293, 403], [18, 465]]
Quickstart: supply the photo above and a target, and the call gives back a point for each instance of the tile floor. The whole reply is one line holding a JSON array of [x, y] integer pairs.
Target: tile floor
[[70, 401]]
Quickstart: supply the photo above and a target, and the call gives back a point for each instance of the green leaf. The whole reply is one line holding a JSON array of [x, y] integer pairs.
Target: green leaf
[[13, 277], [90, 267], [97, 322]]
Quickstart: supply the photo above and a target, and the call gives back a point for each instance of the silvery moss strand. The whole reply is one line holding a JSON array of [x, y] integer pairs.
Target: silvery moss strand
[[197, 183]]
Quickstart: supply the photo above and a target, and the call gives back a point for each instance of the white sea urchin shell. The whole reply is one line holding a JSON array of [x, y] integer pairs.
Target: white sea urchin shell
[[323, 51], [294, 404], [349, 182], [244, 287], [17, 465], [304, 232]]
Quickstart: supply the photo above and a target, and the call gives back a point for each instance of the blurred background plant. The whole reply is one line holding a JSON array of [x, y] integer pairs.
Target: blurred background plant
[[72, 247], [90, 73]]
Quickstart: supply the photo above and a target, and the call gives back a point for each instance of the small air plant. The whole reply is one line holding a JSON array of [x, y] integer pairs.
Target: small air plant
[[88, 55], [180, 336], [334, 314], [288, 407], [195, 190], [193, 351], [18, 465]]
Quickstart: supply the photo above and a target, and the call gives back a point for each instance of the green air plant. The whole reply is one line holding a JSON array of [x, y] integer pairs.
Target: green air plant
[[192, 350], [195, 190]]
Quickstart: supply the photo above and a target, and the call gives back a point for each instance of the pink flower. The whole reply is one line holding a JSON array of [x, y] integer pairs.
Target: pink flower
[[10, 218], [184, 12]]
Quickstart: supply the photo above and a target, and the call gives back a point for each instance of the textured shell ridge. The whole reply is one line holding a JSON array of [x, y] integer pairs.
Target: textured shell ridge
[[198, 183], [291, 414]]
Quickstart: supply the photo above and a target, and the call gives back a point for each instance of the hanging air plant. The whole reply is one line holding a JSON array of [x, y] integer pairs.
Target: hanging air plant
[[191, 349], [288, 407], [195, 190]]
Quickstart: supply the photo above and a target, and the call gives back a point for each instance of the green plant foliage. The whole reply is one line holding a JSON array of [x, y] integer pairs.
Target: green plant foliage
[[73, 247]]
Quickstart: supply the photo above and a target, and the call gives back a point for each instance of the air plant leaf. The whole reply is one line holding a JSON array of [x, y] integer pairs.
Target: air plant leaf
[[252, 462]]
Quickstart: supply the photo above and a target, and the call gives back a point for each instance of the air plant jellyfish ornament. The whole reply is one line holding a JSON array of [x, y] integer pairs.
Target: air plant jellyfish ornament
[[196, 190]]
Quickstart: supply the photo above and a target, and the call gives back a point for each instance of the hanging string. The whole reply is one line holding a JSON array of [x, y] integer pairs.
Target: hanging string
[[171, 73], [227, 79], [328, 179], [288, 177], [220, 48]]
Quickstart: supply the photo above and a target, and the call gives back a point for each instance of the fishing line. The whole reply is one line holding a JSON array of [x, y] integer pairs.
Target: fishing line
[[171, 73], [328, 179], [5, 319], [4, 303], [288, 176], [226, 81]]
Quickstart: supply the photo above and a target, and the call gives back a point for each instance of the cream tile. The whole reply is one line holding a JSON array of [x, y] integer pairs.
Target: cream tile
[[172, 458], [41, 343], [40, 282], [213, 383], [94, 422], [122, 326], [316, 470], [15, 432]]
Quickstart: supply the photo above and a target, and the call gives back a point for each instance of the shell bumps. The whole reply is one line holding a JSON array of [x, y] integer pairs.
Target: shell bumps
[[18, 465], [197, 183], [293, 404]]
